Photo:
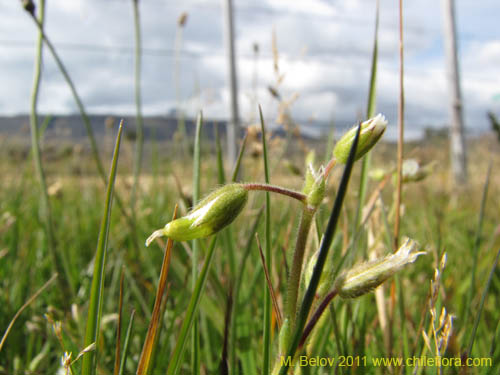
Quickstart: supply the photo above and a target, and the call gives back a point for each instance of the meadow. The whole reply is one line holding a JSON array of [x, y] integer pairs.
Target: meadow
[[435, 214]]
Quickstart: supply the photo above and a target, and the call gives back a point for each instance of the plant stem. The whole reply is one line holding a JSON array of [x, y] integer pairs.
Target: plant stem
[[266, 363], [276, 189], [139, 123], [315, 318], [323, 253], [195, 335], [401, 109], [298, 259], [59, 258]]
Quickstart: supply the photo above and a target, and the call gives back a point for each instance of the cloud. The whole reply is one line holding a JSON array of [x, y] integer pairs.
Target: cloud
[[324, 47]]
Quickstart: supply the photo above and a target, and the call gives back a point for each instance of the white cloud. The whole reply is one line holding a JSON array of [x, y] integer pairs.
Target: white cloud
[[324, 47]]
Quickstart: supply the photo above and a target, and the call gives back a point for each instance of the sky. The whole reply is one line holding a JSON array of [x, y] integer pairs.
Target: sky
[[324, 49]]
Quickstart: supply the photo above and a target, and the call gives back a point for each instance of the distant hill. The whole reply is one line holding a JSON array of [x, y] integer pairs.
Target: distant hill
[[71, 127]]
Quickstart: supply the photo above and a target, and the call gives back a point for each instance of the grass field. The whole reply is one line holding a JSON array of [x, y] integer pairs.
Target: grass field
[[440, 218]]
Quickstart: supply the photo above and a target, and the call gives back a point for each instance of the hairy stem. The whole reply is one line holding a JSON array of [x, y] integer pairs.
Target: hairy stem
[[276, 189], [298, 259]]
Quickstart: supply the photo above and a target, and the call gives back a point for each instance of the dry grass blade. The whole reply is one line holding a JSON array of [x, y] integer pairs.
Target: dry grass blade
[[151, 337], [269, 283], [23, 307]]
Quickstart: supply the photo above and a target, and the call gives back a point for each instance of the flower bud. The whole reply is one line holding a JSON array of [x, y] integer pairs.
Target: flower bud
[[209, 216], [371, 131], [412, 171], [314, 186], [365, 277]]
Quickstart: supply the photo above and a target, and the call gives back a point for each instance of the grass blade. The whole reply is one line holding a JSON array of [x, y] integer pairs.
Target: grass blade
[[97, 287], [59, 257], [267, 297], [116, 369], [126, 343], [269, 283], [23, 307], [477, 243], [173, 366], [239, 279], [237, 165], [195, 338], [370, 112], [401, 116], [151, 340], [323, 252], [221, 175], [139, 140], [481, 305]]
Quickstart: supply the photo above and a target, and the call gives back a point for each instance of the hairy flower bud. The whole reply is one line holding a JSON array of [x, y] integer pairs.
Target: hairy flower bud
[[371, 131], [209, 216], [314, 186], [365, 277]]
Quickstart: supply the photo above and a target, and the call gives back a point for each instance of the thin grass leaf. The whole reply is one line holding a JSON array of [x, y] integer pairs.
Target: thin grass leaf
[[276, 308], [116, 369], [481, 305], [401, 127], [89, 364], [370, 112], [237, 165], [23, 307], [477, 244], [221, 174], [145, 363], [224, 365], [139, 140], [323, 253], [174, 364], [126, 344], [66, 282], [195, 337], [239, 280], [266, 365]]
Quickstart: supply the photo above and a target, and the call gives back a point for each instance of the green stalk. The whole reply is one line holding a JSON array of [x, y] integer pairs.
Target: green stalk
[[370, 112], [323, 253], [59, 257], [266, 366], [195, 337], [401, 108], [126, 344], [475, 249], [237, 288], [175, 361], [89, 364], [298, 260], [139, 123], [481, 304]]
